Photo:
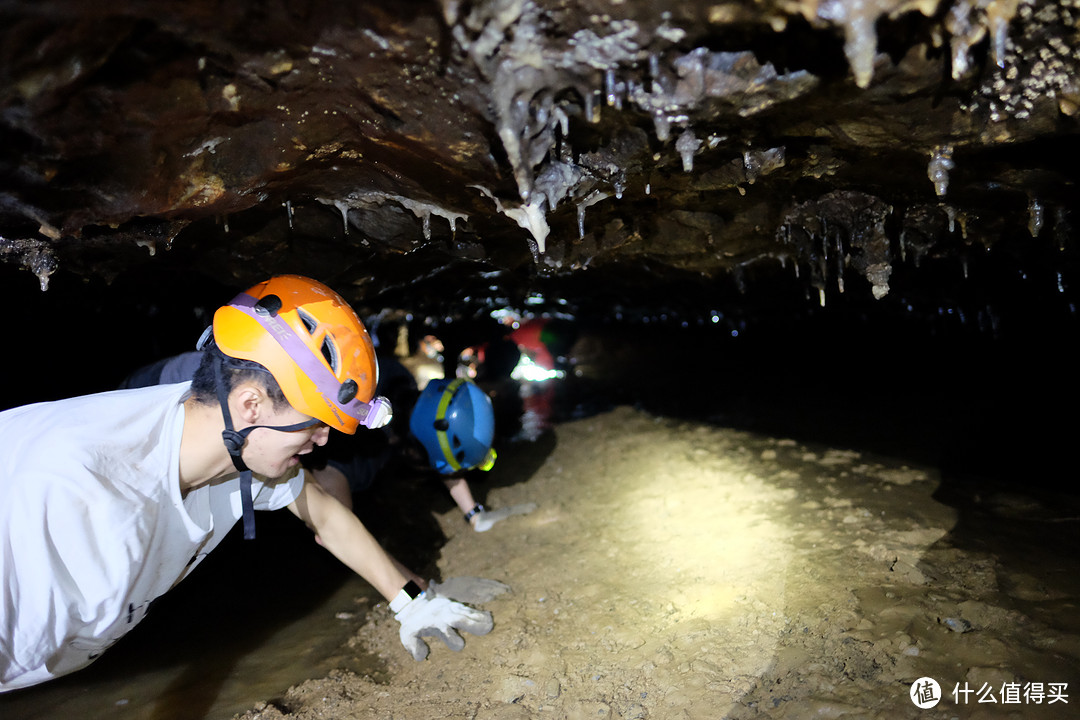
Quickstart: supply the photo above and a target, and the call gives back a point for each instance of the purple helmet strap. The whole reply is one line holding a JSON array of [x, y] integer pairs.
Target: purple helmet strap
[[305, 358]]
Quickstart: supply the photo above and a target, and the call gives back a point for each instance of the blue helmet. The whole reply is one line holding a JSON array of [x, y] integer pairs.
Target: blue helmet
[[455, 422]]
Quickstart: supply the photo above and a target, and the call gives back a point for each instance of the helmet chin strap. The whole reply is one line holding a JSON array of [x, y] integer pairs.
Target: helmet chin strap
[[234, 442]]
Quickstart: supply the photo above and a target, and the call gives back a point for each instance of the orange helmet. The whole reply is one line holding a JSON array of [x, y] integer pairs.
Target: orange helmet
[[313, 344]]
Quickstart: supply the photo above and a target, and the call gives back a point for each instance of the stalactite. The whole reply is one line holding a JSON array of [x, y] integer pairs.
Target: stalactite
[[857, 19], [937, 170], [661, 126], [610, 88], [999, 13], [34, 255], [591, 199], [372, 199], [1035, 216], [686, 146], [529, 216]]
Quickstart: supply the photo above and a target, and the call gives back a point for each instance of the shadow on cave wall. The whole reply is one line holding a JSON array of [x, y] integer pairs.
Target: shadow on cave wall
[[84, 336]]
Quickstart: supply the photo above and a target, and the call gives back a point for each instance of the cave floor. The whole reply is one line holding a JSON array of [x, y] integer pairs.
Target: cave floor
[[673, 568]]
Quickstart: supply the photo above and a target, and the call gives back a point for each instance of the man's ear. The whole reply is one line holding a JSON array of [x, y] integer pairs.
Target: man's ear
[[248, 402]]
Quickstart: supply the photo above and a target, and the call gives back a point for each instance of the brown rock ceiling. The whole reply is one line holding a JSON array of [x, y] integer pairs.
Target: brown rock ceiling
[[448, 155]]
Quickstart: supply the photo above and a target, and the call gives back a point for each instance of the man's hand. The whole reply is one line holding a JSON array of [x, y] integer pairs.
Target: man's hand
[[429, 615]]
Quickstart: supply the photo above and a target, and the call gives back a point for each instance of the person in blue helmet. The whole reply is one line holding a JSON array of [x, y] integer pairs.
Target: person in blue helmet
[[454, 421], [451, 420]]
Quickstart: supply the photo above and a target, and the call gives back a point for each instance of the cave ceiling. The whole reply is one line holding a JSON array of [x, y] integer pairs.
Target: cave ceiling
[[451, 156]]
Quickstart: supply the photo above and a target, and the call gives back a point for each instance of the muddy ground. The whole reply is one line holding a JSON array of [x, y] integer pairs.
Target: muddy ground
[[795, 532], [678, 569]]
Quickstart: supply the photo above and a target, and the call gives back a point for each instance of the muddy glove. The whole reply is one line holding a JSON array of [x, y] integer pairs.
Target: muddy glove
[[428, 615]]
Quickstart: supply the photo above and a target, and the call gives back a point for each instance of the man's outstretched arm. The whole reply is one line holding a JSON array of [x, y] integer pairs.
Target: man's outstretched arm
[[421, 614], [342, 533]]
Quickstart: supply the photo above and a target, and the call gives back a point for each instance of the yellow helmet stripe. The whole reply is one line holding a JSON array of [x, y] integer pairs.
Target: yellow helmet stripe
[[440, 414]]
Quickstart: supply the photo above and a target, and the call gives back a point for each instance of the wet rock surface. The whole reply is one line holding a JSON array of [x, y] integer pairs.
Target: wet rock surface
[[447, 155]]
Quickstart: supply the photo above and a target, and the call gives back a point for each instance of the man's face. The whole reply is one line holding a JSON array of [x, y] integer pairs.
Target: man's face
[[273, 453]]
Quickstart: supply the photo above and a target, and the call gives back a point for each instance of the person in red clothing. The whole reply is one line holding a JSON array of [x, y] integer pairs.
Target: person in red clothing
[[530, 338]]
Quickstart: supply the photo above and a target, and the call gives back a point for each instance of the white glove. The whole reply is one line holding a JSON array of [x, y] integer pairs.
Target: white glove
[[488, 518], [428, 615]]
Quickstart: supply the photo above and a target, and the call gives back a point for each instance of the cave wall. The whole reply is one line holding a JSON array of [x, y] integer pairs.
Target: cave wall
[[842, 195]]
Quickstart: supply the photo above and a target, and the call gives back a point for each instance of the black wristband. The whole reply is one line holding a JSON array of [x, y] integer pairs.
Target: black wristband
[[405, 595], [478, 508], [412, 589]]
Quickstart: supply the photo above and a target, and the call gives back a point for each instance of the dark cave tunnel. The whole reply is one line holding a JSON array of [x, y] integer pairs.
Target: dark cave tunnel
[[974, 374]]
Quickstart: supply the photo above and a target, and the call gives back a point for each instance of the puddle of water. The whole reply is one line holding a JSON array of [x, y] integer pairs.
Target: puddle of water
[[253, 620]]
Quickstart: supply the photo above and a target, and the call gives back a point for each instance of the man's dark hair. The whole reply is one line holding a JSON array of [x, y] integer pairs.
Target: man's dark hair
[[233, 372]]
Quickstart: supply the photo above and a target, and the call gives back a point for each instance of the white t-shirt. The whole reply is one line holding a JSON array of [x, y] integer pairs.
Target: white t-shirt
[[93, 527]]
